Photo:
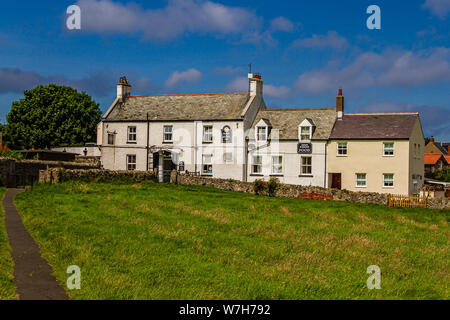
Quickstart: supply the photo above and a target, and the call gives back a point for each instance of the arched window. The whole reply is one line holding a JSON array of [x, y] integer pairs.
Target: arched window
[[227, 137]]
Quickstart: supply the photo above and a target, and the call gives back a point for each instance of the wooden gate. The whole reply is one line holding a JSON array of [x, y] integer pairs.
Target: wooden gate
[[407, 201]]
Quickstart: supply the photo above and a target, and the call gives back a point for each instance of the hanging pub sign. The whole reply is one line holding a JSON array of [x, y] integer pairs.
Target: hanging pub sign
[[181, 166], [304, 148]]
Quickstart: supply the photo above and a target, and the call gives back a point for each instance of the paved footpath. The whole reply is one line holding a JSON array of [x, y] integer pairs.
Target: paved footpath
[[32, 274]]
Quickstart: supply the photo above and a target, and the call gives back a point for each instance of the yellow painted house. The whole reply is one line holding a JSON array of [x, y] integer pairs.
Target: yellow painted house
[[376, 152]]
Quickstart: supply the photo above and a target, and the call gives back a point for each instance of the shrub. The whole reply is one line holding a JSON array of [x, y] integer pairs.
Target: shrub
[[272, 186], [7, 153], [259, 186]]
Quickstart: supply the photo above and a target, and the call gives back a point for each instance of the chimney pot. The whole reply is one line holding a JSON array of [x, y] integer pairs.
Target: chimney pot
[[432, 139], [123, 88], [256, 85], [340, 105]]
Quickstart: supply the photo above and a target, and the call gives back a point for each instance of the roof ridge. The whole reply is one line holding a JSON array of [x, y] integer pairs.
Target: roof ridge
[[185, 94], [381, 113]]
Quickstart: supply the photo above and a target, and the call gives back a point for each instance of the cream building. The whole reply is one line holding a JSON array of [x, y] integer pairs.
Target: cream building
[[379, 152]]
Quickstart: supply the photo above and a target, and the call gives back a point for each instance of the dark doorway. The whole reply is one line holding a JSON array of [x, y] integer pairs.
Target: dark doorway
[[168, 166], [336, 181]]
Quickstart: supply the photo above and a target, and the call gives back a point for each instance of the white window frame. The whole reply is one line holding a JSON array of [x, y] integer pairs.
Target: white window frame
[[129, 163], [207, 135], [304, 134], [302, 166], [359, 179], [167, 133], [388, 150], [113, 139], [257, 164], [259, 135], [384, 181], [130, 134], [338, 149], [206, 164], [278, 171]]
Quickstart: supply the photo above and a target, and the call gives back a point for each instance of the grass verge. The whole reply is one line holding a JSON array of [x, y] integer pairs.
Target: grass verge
[[157, 241]]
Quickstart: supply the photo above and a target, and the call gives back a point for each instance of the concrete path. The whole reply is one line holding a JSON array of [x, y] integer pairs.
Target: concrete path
[[32, 274]]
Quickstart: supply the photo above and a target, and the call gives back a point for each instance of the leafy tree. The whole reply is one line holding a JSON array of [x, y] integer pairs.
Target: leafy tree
[[442, 174], [52, 115]]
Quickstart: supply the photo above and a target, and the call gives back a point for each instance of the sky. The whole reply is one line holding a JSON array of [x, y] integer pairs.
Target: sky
[[304, 50]]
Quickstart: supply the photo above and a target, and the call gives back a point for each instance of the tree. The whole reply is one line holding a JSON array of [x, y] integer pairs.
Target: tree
[[442, 174], [52, 115]]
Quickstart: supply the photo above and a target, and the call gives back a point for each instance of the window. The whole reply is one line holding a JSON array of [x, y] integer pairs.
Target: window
[[226, 135], [257, 165], [111, 138], [306, 166], [261, 134], [207, 167], [342, 149], [131, 162], [207, 134], [388, 180], [277, 165], [305, 133], [168, 133], [228, 157], [361, 180], [131, 134], [388, 149]]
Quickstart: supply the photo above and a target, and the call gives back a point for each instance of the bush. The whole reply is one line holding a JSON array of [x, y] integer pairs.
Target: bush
[[259, 186], [7, 153], [272, 186], [442, 174]]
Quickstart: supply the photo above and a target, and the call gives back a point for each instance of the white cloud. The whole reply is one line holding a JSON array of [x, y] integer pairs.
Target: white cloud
[[281, 24], [174, 20], [391, 68], [331, 40], [440, 8], [238, 85], [189, 76]]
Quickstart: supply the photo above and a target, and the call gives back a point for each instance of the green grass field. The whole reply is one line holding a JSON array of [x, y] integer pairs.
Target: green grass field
[[157, 241], [7, 289]]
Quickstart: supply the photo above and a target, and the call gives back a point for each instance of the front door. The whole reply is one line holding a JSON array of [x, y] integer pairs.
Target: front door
[[168, 167], [336, 181]]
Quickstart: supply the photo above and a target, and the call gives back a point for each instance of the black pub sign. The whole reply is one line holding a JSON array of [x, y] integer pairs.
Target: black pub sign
[[304, 148]]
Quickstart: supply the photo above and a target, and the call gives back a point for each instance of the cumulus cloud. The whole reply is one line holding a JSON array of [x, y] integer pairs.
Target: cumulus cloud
[[189, 76], [281, 24], [440, 8], [331, 40], [174, 20], [13, 80], [435, 120], [391, 68], [270, 91]]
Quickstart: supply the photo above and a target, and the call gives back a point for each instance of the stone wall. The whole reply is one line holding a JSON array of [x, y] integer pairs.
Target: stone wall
[[25, 172], [58, 175], [296, 191]]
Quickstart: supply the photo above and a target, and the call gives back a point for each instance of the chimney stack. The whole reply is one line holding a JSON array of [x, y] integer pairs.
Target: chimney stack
[[256, 84], [123, 88], [340, 105], [432, 139]]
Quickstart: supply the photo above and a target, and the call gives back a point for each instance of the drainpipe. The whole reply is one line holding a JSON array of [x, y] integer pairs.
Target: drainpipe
[[326, 174], [246, 159], [195, 146]]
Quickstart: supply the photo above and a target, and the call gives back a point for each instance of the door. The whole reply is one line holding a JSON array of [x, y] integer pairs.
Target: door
[[336, 181], [168, 167]]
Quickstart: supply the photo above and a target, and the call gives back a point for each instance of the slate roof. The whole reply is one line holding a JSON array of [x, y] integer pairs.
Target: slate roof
[[223, 106], [288, 120], [374, 126], [443, 147]]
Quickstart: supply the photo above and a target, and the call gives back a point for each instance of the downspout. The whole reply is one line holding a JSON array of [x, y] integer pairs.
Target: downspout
[[195, 147], [148, 138], [325, 185], [246, 159]]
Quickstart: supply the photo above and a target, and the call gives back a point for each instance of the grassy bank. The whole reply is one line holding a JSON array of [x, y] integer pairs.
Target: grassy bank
[[7, 289], [155, 241]]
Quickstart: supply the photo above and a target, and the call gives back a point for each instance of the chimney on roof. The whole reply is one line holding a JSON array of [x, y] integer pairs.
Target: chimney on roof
[[432, 139], [256, 84], [340, 105], [123, 88]]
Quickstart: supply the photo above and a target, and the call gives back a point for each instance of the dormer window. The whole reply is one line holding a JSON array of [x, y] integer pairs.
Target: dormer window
[[305, 130], [261, 133], [305, 133]]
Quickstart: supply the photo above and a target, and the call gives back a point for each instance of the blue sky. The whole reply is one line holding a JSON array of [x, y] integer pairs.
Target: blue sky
[[304, 50]]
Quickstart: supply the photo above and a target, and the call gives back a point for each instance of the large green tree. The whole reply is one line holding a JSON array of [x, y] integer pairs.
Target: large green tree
[[52, 115]]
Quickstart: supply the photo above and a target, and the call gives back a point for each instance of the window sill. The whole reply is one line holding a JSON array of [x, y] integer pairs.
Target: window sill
[[276, 175], [361, 187], [207, 142], [387, 156], [207, 175], [388, 187], [256, 175], [167, 142], [306, 176], [131, 142], [342, 155]]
